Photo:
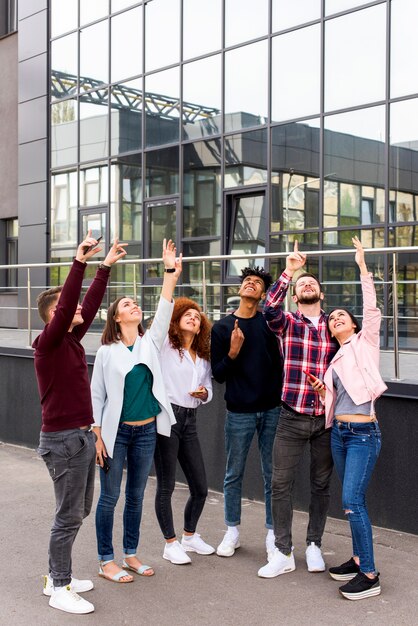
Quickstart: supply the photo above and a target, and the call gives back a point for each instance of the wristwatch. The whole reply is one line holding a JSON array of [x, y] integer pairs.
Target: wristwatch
[[102, 266], [170, 270]]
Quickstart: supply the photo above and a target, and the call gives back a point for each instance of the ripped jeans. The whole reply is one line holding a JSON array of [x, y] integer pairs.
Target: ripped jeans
[[355, 449]]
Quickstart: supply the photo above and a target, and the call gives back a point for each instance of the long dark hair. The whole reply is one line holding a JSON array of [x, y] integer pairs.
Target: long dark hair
[[111, 332], [201, 341]]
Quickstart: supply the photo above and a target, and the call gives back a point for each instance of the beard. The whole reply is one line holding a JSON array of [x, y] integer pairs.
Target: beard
[[311, 298]]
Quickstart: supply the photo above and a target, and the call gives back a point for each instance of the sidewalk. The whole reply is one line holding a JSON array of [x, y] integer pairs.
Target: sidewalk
[[212, 591]]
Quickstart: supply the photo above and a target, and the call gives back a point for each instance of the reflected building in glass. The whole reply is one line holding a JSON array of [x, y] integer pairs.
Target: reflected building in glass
[[232, 126]]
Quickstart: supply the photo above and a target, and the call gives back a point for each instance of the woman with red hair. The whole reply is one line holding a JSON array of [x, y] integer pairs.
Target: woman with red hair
[[187, 375]]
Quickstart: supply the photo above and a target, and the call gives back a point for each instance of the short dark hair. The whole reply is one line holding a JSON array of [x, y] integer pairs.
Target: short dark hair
[[353, 318], [257, 271], [45, 300], [303, 276]]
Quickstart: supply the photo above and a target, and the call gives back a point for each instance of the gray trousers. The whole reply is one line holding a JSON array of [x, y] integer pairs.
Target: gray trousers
[[70, 457]]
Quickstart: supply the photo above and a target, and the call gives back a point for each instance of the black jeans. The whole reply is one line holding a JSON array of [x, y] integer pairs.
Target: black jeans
[[183, 444], [294, 431]]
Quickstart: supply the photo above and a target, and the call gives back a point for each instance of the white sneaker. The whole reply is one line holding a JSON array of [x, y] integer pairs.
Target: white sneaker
[[314, 559], [79, 586], [278, 564], [65, 599], [228, 545], [194, 543], [175, 553]]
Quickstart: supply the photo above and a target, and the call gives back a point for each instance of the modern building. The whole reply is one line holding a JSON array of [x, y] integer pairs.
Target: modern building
[[232, 126]]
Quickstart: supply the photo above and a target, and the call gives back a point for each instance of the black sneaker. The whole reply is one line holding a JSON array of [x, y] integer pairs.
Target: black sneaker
[[361, 587], [346, 571]]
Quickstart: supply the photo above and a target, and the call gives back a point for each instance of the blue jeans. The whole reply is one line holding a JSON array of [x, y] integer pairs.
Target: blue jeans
[[355, 449], [239, 432], [136, 445], [70, 458]]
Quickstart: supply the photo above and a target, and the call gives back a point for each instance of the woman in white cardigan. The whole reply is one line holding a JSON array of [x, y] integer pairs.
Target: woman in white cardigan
[[130, 405]]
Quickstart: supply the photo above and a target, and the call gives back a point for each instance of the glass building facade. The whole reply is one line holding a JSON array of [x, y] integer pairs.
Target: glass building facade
[[235, 126]]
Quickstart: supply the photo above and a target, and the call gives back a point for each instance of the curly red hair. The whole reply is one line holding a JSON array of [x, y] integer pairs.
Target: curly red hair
[[201, 341]]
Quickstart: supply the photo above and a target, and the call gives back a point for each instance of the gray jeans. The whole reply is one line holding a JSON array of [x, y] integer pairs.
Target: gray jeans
[[70, 458]]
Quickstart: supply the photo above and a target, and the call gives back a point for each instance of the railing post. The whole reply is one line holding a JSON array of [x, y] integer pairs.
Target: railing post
[[134, 279], [395, 316], [204, 295], [29, 309]]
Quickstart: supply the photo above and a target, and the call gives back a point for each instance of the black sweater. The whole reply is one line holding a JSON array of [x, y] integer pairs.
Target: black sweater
[[254, 379]]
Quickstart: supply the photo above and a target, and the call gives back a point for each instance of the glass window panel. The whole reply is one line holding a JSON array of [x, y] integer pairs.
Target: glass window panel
[[64, 66], [404, 47], [126, 27], [355, 50], [93, 186], [335, 6], [296, 92], [246, 158], [162, 172], [246, 100], [202, 97], [161, 221], [64, 133], [126, 116], [126, 199], [294, 150], [354, 151], [403, 161], [12, 228], [247, 230], [118, 5], [94, 135], [245, 20], [194, 20], [300, 202], [192, 274], [162, 27], [64, 16], [64, 209], [162, 107], [94, 54], [286, 14], [202, 190], [91, 11]]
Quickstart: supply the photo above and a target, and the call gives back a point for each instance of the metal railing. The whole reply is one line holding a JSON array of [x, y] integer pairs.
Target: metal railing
[[204, 284]]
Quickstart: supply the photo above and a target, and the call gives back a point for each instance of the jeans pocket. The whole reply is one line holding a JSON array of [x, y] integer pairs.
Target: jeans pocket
[[74, 445]]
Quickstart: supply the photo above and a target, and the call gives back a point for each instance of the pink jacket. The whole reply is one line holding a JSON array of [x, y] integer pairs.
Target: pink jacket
[[357, 360]]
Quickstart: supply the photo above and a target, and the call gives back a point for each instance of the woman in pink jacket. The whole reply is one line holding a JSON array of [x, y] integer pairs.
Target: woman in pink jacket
[[351, 385]]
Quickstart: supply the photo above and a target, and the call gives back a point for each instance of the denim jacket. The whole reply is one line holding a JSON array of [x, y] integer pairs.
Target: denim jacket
[[357, 360]]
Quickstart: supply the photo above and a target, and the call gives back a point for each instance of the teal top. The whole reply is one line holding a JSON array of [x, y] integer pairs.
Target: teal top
[[139, 402]]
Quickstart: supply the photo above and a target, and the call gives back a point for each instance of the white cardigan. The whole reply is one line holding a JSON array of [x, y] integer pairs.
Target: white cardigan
[[114, 361]]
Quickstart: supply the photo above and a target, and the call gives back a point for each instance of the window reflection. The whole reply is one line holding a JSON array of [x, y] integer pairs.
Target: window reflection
[[287, 14], [202, 191], [404, 47], [194, 20], [64, 133], [247, 229], [202, 97], [93, 186], [64, 66], [64, 16], [94, 53], [162, 27], [246, 158], [126, 199], [162, 172], [246, 100], [91, 11], [161, 221], [245, 20], [94, 135], [403, 161], [64, 209], [126, 116], [296, 84], [162, 107], [125, 27], [355, 73]]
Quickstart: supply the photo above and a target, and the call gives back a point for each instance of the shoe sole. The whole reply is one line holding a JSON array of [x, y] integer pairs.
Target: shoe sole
[[342, 576], [313, 570], [362, 594], [285, 570], [176, 562], [60, 608], [197, 551]]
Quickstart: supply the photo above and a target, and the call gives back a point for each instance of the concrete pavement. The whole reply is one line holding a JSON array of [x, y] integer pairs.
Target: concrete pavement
[[212, 591]]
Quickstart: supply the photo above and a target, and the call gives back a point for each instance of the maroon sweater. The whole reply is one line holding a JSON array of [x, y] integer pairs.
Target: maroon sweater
[[60, 360]]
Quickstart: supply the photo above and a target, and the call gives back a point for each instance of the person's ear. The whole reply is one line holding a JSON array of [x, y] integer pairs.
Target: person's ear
[[321, 295], [263, 296], [294, 299]]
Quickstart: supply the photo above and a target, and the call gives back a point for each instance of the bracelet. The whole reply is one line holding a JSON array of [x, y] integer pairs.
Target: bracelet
[[102, 266], [170, 270]]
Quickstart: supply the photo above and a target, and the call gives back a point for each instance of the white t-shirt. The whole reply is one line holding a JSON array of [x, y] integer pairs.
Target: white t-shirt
[[314, 319]]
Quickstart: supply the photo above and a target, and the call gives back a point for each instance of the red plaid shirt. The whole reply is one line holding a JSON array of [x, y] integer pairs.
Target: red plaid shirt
[[304, 348]]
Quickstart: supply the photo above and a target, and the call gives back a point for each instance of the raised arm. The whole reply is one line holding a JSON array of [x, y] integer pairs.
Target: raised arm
[[371, 314]]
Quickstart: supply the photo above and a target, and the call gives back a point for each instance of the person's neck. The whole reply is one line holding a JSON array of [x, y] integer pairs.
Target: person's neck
[[187, 340], [310, 310], [247, 308], [129, 335]]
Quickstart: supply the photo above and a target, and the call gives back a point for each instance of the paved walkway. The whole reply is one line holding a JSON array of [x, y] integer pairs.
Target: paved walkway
[[212, 591]]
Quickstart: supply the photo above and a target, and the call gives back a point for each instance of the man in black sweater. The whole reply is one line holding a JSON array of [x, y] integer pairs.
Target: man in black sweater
[[245, 355]]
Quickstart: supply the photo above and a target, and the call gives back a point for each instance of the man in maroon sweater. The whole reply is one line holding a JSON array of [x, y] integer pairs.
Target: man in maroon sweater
[[66, 441]]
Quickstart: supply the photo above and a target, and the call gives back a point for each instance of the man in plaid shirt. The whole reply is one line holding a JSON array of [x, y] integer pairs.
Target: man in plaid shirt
[[307, 347]]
